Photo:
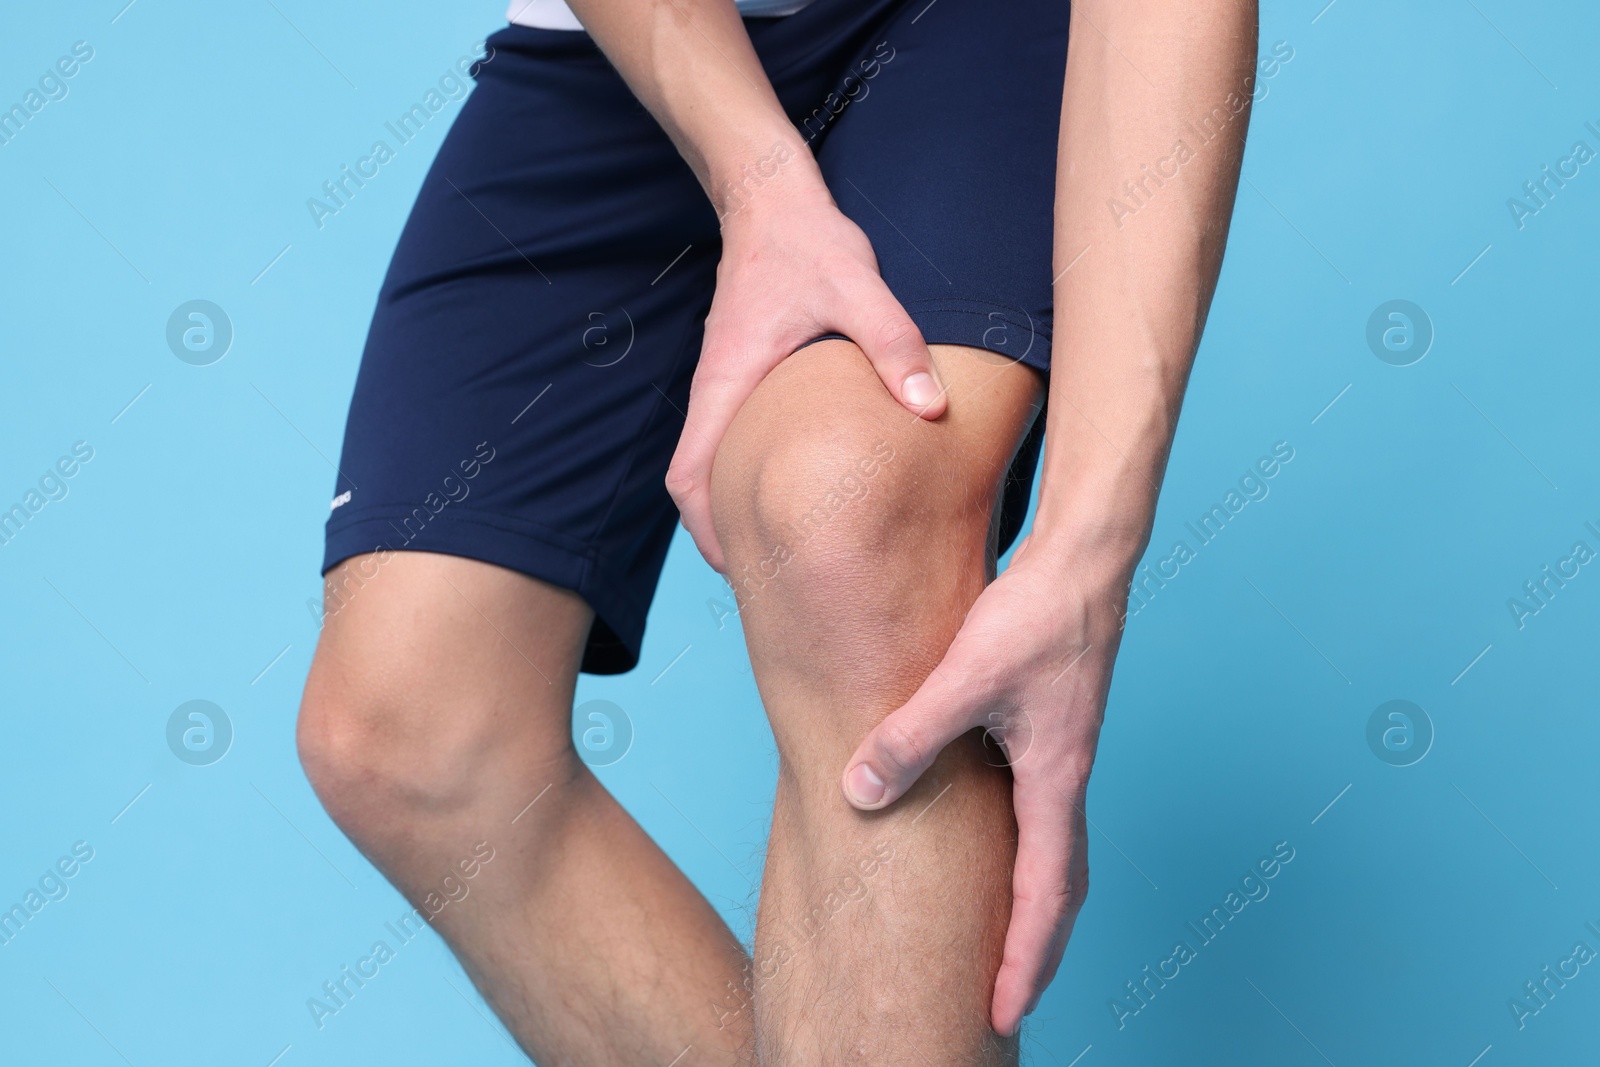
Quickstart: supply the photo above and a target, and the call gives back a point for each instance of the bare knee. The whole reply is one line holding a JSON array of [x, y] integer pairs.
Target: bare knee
[[383, 747], [824, 483], [418, 708], [857, 535], [801, 517]]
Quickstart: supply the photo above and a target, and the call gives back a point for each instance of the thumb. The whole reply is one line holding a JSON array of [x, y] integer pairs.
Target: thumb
[[893, 756], [895, 347]]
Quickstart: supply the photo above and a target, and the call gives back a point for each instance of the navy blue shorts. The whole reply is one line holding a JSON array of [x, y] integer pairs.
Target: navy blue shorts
[[523, 383]]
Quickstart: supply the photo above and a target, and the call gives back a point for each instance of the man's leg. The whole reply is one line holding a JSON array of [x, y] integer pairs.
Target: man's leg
[[436, 730], [857, 537]]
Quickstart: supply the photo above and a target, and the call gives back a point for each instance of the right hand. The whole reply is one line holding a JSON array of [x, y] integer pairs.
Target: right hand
[[793, 268]]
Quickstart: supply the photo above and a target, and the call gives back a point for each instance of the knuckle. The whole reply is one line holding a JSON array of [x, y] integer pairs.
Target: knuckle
[[968, 676], [1076, 890], [1057, 898], [902, 745], [898, 336], [718, 368], [1049, 897], [1016, 967], [682, 481]]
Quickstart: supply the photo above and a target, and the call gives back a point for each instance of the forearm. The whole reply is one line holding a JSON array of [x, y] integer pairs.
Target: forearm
[[690, 62], [1155, 108]]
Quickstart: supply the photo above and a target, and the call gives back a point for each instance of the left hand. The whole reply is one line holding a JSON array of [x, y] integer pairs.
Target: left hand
[[1032, 662]]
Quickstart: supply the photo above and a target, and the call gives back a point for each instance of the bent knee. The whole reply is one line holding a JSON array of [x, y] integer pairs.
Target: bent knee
[[824, 482], [426, 691], [383, 742], [815, 499]]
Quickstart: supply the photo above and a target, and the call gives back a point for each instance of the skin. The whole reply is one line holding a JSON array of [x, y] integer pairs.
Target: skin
[[437, 716], [1131, 297], [441, 692], [437, 709], [793, 267], [853, 573], [1036, 652]]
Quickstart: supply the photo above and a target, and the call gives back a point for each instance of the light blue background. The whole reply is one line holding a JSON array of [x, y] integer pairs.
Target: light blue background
[[182, 561]]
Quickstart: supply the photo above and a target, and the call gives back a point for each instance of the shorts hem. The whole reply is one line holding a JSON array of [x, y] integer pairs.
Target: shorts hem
[[618, 632], [986, 325]]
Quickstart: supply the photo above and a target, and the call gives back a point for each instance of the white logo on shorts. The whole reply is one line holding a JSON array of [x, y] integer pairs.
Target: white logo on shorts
[[342, 498]]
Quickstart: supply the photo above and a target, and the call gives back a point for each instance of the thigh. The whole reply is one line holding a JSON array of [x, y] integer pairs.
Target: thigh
[[520, 392], [419, 640]]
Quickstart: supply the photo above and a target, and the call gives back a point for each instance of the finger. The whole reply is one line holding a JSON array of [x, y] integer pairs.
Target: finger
[[714, 400], [897, 351], [893, 756], [1049, 885]]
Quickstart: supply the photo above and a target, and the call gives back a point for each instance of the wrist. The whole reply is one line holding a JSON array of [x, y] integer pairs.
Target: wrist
[[1097, 496], [775, 175], [1097, 531], [1099, 549]]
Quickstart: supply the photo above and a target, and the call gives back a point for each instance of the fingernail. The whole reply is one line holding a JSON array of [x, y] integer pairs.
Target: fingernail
[[864, 785], [919, 389]]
